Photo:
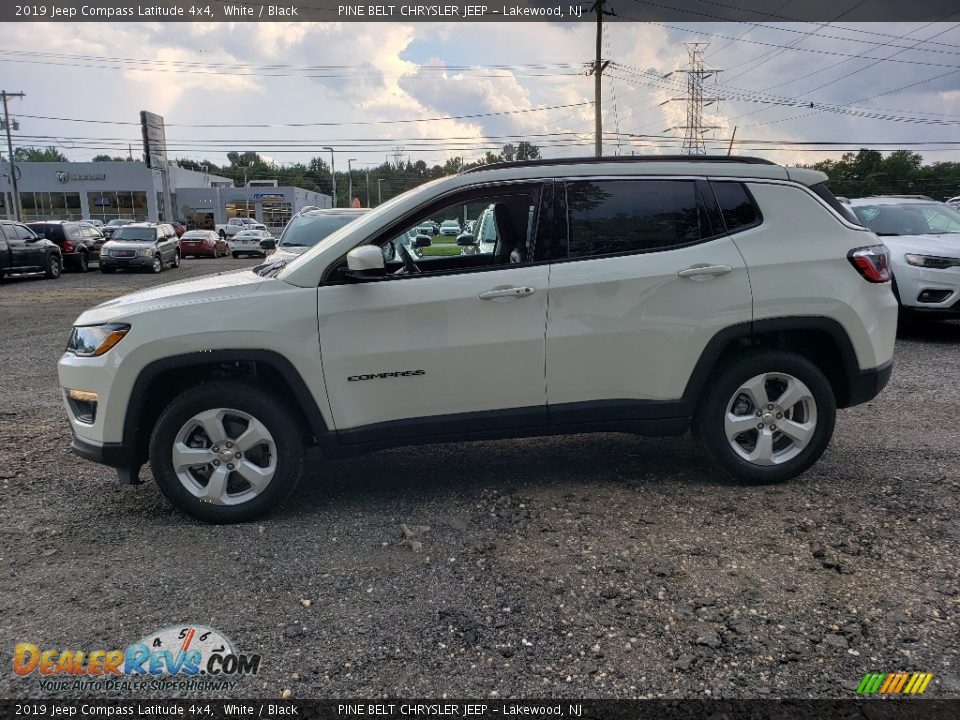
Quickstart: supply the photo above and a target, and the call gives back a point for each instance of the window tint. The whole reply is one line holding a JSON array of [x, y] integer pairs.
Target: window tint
[[735, 204], [616, 216], [823, 192], [24, 233]]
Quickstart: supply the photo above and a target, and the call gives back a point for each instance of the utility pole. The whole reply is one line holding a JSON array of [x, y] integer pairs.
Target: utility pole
[[379, 192], [730, 146], [350, 180], [368, 186], [333, 176], [18, 213], [597, 71], [696, 73]]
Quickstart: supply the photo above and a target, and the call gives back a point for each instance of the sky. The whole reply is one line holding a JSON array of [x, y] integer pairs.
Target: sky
[[364, 88]]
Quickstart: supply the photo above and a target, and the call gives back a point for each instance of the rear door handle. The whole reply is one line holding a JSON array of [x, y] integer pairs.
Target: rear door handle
[[508, 292], [699, 271]]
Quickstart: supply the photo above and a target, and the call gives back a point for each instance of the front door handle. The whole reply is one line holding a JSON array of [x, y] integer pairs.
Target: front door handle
[[699, 271], [507, 292]]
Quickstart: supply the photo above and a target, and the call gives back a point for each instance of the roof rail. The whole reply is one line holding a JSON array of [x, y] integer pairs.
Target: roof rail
[[623, 159]]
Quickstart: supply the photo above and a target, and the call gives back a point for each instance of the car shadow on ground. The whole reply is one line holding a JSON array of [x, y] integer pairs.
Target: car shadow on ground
[[432, 472]]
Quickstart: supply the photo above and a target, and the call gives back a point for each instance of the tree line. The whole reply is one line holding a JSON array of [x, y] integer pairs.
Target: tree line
[[902, 172]]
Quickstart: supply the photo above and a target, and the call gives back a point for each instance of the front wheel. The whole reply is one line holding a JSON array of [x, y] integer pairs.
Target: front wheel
[[54, 267], [157, 266], [226, 452], [767, 416], [235, 255]]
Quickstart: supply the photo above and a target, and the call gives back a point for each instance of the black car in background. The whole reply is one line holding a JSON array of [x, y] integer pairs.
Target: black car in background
[[111, 227], [80, 243], [23, 252]]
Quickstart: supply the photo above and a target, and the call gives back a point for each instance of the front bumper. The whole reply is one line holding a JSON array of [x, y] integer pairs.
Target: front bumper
[[868, 383], [116, 455], [116, 263]]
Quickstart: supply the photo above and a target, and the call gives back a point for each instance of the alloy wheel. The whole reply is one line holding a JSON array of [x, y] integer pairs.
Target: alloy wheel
[[770, 419]]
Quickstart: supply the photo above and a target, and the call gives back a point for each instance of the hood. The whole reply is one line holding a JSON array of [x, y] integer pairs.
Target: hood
[[208, 288], [129, 244], [947, 245]]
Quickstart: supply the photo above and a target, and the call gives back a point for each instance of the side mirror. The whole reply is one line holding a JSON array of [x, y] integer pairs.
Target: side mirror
[[268, 244], [465, 239], [365, 263], [422, 241]]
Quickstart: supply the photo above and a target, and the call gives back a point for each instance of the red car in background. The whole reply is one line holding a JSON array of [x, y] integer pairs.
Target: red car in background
[[178, 228], [203, 243]]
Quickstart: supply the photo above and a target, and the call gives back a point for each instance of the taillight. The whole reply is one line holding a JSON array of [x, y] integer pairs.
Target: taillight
[[872, 262], [67, 246]]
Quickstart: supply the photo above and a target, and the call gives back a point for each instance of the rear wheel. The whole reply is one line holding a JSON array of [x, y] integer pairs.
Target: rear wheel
[[84, 261], [54, 267], [767, 416], [226, 452], [176, 260]]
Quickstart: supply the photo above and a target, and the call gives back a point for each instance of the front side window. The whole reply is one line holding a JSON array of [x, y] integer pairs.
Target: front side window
[[607, 217]]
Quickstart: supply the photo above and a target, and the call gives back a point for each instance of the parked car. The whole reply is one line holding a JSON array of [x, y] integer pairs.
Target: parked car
[[203, 243], [23, 252], [247, 242], [450, 227], [98, 224], [235, 225], [178, 228], [80, 243], [141, 246], [924, 241], [308, 228], [111, 227], [730, 295]]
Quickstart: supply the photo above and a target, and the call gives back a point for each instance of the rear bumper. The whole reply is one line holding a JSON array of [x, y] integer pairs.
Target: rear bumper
[[868, 383]]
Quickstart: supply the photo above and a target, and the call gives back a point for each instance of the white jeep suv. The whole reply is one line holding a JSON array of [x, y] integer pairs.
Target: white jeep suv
[[641, 295]]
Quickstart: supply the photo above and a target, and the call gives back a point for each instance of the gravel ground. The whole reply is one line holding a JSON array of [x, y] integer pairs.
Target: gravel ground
[[586, 566]]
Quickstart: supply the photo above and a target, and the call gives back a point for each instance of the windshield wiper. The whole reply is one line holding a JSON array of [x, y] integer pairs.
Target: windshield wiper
[[880, 234], [271, 269]]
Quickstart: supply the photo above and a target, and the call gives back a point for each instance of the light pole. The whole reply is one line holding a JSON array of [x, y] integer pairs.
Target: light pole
[[368, 187], [333, 175], [379, 194], [246, 192], [350, 177]]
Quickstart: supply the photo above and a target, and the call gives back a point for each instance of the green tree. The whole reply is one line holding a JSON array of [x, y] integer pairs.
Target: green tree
[[35, 154]]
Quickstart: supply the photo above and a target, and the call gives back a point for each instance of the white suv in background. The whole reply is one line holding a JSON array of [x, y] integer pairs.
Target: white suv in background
[[641, 295], [924, 241]]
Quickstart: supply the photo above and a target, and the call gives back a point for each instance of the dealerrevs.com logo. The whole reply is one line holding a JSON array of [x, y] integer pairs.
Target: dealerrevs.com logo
[[178, 657]]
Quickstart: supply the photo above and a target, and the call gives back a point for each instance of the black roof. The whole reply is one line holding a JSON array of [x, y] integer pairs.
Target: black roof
[[625, 159]]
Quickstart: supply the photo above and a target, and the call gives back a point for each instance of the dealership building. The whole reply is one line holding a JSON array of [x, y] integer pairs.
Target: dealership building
[[108, 190]]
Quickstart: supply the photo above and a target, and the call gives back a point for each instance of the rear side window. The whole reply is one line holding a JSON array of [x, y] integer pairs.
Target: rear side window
[[49, 231], [823, 192], [623, 216], [736, 205]]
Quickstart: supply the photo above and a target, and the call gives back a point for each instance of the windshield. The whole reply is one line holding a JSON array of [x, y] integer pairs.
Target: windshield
[[308, 230], [369, 219], [135, 234], [118, 223], [909, 219]]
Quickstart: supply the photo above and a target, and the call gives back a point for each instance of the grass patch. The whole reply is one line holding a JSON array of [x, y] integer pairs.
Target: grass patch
[[441, 250]]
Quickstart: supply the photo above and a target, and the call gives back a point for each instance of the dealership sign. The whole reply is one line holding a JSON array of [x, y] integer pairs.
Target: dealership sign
[[65, 177]]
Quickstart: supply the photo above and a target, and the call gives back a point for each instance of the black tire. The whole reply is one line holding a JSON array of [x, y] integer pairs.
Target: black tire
[[157, 266], [266, 409], [223, 235], [235, 255], [709, 420], [84, 265], [54, 267]]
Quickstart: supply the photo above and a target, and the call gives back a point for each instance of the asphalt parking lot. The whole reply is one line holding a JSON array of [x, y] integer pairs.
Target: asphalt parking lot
[[587, 566]]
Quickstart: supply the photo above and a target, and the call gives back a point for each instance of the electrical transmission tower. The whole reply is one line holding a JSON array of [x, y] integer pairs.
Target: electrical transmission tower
[[397, 154], [696, 72]]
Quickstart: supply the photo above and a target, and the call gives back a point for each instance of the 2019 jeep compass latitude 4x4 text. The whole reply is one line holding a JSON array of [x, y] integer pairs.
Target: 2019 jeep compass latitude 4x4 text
[[730, 295]]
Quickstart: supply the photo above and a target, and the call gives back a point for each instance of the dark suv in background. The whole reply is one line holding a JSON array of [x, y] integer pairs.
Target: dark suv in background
[[80, 243]]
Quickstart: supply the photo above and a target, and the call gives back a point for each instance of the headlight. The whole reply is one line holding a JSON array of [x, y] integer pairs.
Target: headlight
[[93, 340], [146, 252], [931, 261]]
